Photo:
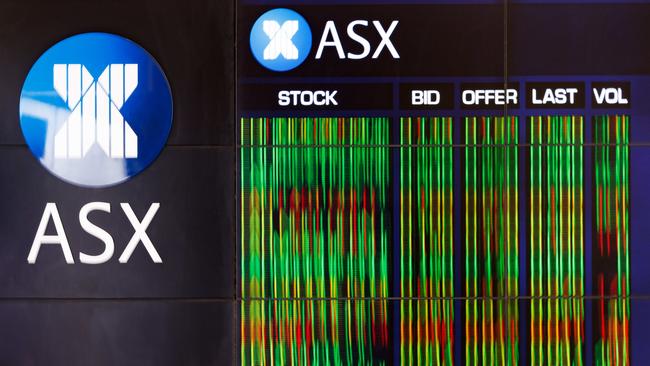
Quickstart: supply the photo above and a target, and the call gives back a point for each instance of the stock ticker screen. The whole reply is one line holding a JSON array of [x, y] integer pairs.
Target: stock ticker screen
[[324, 182], [443, 183]]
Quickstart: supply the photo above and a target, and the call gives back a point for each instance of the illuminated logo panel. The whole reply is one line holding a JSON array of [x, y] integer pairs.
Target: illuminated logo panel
[[96, 109], [280, 40]]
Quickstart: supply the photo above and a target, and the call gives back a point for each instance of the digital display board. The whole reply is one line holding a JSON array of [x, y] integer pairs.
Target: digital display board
[[444, 183]]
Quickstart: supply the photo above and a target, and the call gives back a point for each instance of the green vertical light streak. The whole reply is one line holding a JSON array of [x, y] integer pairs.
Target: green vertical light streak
[[426, 241], [556, 240], [314, 226], [491, 240], [611, 240]]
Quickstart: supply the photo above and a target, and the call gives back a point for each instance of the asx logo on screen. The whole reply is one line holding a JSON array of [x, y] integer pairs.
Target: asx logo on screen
[[281, 40], [95, 111]]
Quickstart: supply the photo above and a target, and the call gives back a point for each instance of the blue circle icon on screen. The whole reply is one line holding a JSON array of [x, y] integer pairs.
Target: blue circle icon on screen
[[96, 109], [280, 39]]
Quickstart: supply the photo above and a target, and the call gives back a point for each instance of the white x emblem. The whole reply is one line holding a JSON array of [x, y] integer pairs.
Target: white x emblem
[[280, 37], [95, 106]]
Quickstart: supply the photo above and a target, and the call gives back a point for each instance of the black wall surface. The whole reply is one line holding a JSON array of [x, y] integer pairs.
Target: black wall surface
[[180, 312]]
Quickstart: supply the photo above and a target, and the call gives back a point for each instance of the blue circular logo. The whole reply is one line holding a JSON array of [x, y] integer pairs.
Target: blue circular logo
[[96, 109], [280, 39]]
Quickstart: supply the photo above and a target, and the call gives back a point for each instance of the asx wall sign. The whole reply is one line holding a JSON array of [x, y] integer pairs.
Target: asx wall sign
[[95, 110], [281, 40]]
